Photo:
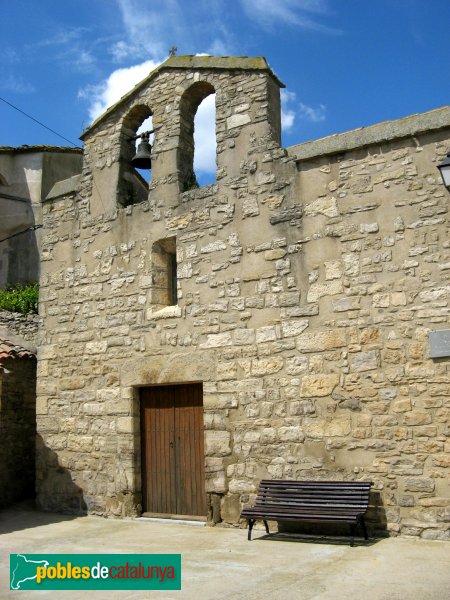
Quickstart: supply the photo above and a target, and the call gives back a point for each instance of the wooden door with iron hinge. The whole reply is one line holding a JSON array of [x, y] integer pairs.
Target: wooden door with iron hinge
[[173, 472]]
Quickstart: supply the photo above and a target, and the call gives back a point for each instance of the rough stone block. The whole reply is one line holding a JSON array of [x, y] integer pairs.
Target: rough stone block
[[217, 340], [402, 405], [47, 352], [291, 434], [231, 508], [217, 443], [318, 290], [127, 425], [244, 337], [417, 417], [227, 370], [266, 334], [266, 366], [274, 254], [96, 347], [364, 361], [322, 206], [118, 407], [238, 120], [93, 408], [419, 485], [333, 269], [293, 328], [327, 427], [318, 341], [318, 385], [72, 383], [344, 304]]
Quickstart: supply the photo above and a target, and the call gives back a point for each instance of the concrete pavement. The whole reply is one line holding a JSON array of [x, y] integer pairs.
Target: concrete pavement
[[219, 563]]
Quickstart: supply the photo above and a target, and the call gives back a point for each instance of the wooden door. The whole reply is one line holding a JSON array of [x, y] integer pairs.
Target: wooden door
[[173, 478]]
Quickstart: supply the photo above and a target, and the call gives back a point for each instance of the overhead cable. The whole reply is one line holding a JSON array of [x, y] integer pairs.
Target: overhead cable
[[37, 121], [32, 228]]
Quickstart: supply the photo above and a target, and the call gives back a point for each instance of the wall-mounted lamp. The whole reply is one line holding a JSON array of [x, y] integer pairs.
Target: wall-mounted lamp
[[444, 169], [142, 159]]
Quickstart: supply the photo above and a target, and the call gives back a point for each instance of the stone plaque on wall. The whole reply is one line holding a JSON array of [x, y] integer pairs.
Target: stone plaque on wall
[[439, 343]]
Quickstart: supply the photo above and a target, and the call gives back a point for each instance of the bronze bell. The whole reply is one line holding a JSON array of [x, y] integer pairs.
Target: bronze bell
[[142, 159]]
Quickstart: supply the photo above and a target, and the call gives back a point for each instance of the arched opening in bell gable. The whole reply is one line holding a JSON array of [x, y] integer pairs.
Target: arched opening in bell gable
[[197, 152], [135, 156]]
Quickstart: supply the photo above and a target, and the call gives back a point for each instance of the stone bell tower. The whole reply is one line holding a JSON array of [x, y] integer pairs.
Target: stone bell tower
[[247, 114]]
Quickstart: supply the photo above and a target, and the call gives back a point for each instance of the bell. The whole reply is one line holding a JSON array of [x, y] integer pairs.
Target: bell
[[142, 159]]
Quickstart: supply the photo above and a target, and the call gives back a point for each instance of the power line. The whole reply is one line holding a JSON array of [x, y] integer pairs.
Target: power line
[[32, 228], [38, 122]]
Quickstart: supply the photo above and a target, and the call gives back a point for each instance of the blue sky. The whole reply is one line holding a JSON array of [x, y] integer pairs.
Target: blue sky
[[345, 63]]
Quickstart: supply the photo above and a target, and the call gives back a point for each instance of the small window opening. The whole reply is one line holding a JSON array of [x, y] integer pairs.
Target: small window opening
[[164, 273]]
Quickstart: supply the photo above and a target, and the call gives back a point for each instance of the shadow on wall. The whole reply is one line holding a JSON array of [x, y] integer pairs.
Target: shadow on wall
[[56, 492], [376, 519]]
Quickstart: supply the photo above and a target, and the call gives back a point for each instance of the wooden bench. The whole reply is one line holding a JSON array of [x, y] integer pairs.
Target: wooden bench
[[310, 501]]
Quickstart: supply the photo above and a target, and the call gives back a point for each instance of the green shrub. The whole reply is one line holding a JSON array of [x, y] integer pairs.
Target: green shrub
[[21, 298]]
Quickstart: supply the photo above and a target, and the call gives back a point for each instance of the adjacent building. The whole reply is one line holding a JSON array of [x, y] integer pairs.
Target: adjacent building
[[27, 174]]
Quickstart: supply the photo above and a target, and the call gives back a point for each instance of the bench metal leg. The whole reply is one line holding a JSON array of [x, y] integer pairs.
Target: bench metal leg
[[352, 534], [251, 522], [363, 525], [267, 527]]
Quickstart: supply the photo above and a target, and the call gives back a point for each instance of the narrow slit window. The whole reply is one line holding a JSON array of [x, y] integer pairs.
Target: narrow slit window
[[164, 273], [173, 295]]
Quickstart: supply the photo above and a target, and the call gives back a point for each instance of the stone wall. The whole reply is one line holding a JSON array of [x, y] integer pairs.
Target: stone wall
[[306, 290], [17, 325]]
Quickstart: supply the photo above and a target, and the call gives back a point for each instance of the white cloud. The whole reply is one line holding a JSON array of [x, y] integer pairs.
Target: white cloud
[[17, 84], [316, 115], [119, 83], [219, 48], [268, 13], [84, 59], [291, 109], [122, 50], [154, 26], [69, 47], [287, 113]]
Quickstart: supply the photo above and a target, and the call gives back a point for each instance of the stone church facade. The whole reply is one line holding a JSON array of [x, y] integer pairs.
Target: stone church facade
[[274, 324]]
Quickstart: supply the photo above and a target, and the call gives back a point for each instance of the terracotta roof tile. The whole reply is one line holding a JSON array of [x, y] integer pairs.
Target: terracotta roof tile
[[10, 350]]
